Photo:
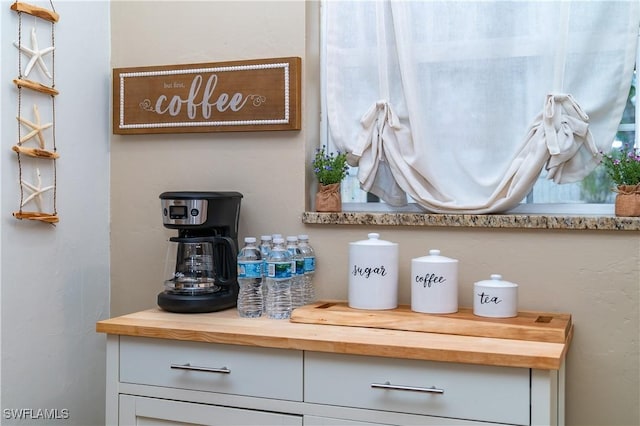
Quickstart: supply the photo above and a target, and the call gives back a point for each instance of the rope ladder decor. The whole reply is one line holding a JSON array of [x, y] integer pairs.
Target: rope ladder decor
[[33, 192]]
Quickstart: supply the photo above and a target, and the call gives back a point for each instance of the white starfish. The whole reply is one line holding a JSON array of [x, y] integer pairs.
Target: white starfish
[[36, 191], [35, 54], [36, 128]]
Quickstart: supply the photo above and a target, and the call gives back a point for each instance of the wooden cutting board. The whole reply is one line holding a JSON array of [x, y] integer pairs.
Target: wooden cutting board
[[528, 325]]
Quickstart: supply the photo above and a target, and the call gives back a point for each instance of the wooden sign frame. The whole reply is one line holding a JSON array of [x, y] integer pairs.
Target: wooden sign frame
[[251, 95]]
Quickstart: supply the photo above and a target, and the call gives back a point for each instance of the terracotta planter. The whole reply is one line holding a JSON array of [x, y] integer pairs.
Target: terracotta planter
[[328, 198], [628, 200]]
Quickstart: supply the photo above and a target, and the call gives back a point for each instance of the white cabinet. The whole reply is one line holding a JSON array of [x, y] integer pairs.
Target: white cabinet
[[140, 411], [227, 369], [461, 391], [164, 381]]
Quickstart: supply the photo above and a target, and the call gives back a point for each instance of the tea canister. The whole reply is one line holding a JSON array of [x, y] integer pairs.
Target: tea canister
[[495, 298], [373, 274], [434, 284]]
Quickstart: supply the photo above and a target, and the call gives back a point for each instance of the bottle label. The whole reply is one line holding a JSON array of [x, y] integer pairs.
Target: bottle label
[[310, 264], [279, 269], [299, 266], [250, 269]]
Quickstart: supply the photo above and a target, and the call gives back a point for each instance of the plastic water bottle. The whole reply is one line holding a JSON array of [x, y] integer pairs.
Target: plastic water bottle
[[250, 299], [265, 248], [309, 268], [297, 272], [279, 281]]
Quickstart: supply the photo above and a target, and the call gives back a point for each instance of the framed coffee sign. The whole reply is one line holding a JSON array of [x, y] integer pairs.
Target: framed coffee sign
[[252, 95]]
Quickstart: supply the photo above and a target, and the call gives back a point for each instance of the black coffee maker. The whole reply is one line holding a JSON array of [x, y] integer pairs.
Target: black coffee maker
[[201, 263]]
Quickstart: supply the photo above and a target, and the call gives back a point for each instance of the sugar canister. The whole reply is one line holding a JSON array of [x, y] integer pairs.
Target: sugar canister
[[373, 273], [434, 284], [495, 298]]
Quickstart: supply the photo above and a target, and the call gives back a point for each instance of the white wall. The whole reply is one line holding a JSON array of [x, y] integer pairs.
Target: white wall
[[54, 281]]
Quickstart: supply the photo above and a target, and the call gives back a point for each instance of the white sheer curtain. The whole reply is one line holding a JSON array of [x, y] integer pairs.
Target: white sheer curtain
[[460, 104]]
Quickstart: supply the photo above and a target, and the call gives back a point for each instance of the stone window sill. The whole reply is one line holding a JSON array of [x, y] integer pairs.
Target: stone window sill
[[588, 219]]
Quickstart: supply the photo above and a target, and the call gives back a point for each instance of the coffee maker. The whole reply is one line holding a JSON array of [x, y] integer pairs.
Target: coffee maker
[[201, 263]]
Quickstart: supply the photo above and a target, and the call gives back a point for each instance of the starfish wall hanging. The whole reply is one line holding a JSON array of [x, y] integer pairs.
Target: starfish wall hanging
[[32, 192], [35, 190], [36, 54], [36, 128]]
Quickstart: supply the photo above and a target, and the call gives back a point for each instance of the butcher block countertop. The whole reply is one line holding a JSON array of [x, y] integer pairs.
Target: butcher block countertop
[[227, 327]]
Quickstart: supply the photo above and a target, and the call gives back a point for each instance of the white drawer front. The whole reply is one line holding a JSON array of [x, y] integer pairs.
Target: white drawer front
[[231, 369], [482, 393], [140, 411]]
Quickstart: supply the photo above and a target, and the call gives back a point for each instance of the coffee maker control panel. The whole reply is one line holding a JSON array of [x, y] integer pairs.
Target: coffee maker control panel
[[184, 212]]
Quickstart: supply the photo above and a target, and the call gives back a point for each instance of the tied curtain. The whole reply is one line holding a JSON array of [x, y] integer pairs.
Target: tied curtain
[[462, 104]]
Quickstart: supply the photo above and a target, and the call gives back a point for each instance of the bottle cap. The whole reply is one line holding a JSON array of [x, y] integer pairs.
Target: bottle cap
[[249, 239]]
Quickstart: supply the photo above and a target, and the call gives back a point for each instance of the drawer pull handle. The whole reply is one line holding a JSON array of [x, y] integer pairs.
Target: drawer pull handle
[[188, 366], [387, 385]]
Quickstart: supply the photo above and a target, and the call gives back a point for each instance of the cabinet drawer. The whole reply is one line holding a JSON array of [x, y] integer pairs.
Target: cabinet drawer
[[140, 411], [481, 393], [231, 369]]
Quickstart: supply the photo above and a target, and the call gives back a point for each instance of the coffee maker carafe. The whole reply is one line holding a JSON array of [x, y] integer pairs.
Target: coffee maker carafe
[[201, 266]]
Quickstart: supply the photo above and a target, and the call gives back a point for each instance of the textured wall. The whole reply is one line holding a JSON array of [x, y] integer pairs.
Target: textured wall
[[55, 280], [592, 274]]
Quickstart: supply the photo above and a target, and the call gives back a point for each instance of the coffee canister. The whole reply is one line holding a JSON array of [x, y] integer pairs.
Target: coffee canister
[[373, 273], [495, 298], [434, 284]]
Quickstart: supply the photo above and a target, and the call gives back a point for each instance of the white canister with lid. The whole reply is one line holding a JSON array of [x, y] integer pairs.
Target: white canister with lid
[[495, 298], [373, 274], [434, 284]]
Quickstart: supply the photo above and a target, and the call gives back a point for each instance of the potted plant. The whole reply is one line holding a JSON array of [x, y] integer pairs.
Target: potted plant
[[330, 169], [623, 166]]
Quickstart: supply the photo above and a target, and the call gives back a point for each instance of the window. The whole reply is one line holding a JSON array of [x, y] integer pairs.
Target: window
[[595, 188]]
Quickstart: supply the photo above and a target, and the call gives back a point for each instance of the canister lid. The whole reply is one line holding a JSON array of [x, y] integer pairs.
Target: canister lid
[[374, 241], [434, 256], [496, 281]]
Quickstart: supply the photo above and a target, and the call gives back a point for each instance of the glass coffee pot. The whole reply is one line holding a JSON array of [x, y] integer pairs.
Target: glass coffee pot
[[195, 266]]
